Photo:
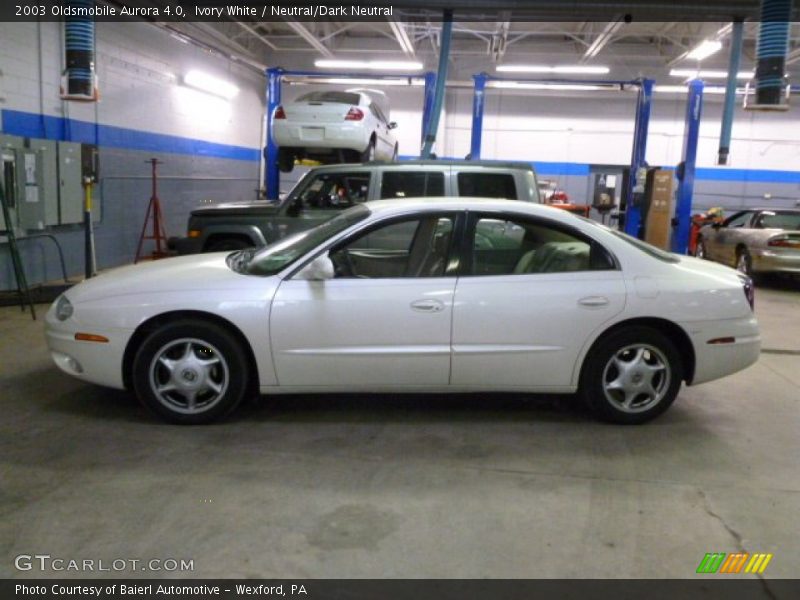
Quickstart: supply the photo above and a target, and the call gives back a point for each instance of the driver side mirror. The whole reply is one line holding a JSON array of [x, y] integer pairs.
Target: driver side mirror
[[393, 125], [319, 269], [716, 225], [295, 205]]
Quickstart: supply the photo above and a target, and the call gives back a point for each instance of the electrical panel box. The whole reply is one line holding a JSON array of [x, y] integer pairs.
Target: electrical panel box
[[30, 194], [48, 177], [70, 188]]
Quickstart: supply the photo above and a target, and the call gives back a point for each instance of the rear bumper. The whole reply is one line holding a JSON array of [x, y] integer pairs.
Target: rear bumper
[[785, 260], [713, 361], [320, 136]]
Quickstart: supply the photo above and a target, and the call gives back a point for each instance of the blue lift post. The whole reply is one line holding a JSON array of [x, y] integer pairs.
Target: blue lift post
[[275, 76], [643, 103], [691, 134]]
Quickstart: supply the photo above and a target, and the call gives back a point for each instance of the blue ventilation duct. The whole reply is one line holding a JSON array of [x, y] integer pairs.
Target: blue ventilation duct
[[79, 50], [773, 44]]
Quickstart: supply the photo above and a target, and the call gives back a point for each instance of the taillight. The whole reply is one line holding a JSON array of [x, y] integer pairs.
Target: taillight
[[749, 292], [784, 241], [279, 113], [354, 114]]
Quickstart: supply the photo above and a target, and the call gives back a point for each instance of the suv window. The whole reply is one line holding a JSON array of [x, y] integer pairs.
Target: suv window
[[487, 185], [412, 184], [332, 191], [519, 246]]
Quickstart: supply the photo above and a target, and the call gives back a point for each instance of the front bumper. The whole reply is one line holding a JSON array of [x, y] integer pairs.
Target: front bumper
[[94, 362]]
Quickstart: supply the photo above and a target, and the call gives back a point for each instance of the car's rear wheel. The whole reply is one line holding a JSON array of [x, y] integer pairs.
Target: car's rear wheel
[[631, 376], [369, 154], [700, 249], [744, 263], [396, 153], [285, 160], [191, 372]]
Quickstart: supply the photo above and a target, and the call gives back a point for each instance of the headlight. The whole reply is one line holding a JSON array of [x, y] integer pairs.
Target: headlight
[[63, 308]]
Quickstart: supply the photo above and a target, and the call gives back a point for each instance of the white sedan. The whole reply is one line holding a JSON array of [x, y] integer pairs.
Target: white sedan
[[443, 295], [333, 126]]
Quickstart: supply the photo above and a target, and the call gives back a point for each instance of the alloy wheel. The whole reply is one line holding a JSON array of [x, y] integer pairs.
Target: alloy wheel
[[636, 378]]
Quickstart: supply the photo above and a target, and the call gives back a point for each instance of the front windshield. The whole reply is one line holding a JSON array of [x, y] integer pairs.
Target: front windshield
[[275, 257]]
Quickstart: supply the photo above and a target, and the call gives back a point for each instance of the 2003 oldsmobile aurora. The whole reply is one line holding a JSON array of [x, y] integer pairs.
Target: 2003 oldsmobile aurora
[[414, 295]]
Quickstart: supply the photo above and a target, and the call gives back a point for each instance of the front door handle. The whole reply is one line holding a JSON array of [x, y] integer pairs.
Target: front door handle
[[593, 301], [428, 305]]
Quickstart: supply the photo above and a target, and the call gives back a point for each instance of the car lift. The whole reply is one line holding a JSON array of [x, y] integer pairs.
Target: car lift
[[274, 79], [633, 214]]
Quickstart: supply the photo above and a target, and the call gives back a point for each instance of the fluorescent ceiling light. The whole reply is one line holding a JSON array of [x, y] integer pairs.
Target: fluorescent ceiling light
[[705, 49], [562, 69], [366, 81], [370, 65], [681, 89], [515, 85], [211, 85], [709, 74]]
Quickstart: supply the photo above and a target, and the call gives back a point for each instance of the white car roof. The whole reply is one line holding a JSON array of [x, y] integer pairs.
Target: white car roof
[[388, 207]]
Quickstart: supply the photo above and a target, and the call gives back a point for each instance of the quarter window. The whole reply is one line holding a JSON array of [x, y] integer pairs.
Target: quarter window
[[521, 247]]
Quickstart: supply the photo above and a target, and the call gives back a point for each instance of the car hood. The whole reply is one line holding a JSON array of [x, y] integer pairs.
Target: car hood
[[197, 272]]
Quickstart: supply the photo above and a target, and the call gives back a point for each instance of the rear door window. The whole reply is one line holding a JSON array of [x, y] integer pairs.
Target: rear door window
[[487, 185], [412, 184]]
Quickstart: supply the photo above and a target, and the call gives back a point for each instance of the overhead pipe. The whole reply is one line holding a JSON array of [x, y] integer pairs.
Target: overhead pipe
[[441, 80], [773, 46], [737, 35]]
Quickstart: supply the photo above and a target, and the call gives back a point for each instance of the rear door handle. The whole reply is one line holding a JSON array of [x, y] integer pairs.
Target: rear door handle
[[593, 301], [428, 305]]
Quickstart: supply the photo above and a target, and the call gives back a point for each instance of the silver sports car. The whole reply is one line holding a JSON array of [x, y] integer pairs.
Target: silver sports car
[[758, 240]]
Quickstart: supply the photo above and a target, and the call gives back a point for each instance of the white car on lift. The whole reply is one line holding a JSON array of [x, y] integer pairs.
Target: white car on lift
[[334, 126], [436, 295]]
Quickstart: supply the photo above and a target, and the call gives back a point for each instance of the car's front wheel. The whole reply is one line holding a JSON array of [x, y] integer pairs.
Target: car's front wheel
[[369, 154], [744, 263], [631, 376], [191, 372], [285, 160]]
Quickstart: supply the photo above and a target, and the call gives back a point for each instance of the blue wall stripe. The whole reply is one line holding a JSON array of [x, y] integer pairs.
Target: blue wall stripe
[[34, 125]]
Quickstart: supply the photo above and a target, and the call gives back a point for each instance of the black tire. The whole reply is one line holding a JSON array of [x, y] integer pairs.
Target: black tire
[[700, 249], [285, 160], [605, 388], [396, 153], [744, 262], [228, 244], [191, 371], [369, 154]]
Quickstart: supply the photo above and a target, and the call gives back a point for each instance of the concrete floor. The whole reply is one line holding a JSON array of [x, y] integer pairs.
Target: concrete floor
[[422, 486]]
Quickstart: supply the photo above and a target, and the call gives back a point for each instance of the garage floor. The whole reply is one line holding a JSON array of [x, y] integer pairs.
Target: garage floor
[[422, 486]]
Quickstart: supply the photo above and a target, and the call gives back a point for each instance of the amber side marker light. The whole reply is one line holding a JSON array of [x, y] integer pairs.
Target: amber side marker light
[[91, 337], [193, 233], [725, 340]]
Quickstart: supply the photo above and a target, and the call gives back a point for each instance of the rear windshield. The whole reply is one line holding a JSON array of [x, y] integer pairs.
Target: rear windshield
[[337, 97], [779, 220], [646, 248]]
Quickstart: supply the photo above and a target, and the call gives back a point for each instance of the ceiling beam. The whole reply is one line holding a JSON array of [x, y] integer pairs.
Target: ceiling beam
[[309, 37], [257, 35], [602, 40], [401, 35]]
